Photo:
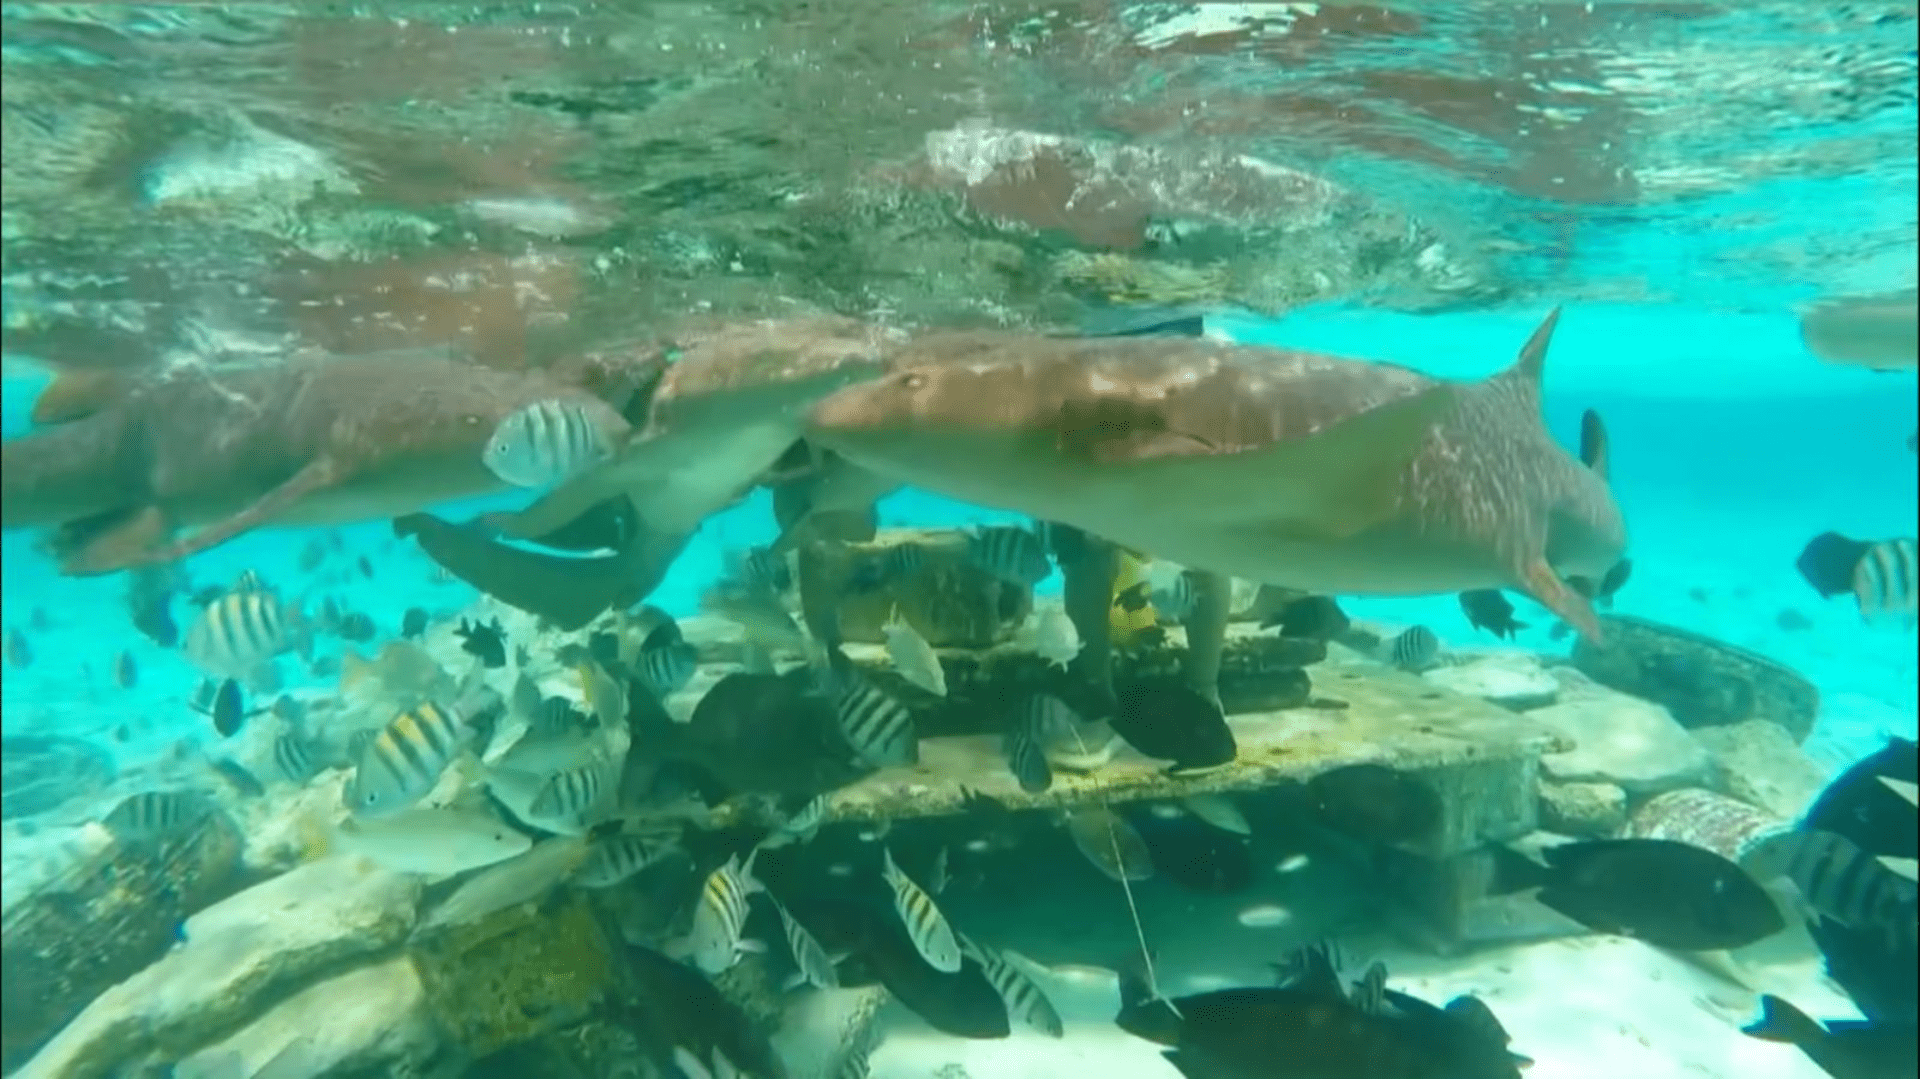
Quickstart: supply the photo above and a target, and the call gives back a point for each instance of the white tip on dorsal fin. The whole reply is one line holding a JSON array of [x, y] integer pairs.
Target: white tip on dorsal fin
[[1533, 355], [1906, 868], [1906, 789]]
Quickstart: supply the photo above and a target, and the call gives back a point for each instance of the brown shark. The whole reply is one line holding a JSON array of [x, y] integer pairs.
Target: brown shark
[[309, 441], [729, 406], [1320, 473]]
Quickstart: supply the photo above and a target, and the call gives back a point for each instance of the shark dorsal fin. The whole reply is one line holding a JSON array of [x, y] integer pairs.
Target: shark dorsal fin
[[1533, 355], [1593, 443]]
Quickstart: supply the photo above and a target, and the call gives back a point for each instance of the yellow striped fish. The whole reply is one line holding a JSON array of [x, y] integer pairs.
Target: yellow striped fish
[[714, 943], [925, 925], [402, 763]]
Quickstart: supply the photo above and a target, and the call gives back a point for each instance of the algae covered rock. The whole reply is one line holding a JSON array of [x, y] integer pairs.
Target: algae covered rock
[[1757, 762], [1621, 740], [101, 920], [1706, 819], [1702, 682], [1582, 808], [236, 955], [376, 1023], [1514, 680]]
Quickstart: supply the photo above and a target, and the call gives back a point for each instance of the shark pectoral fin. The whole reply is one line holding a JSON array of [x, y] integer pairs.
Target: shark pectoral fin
[[114, 541], [1545, 586], [1334, 483], [558, 508], [322, 472], [77, 394]]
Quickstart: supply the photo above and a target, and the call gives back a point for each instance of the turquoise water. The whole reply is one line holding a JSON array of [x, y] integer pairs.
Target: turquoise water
[[195, 188]]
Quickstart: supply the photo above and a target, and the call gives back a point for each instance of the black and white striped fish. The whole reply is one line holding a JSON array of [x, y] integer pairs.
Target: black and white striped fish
[[149, 815], [666, 668], [404, 761], [760, 566], [1413, 648], [1883, 576], [877, 726], [293, 758], [545, 443], [1842, 881], [902, 560], [714, 942], [1010, 553], [239, 632], [815, 966], [802, 826], [928, 929], [1026, 757], [570, 794], [614, 859], [1023, 997]]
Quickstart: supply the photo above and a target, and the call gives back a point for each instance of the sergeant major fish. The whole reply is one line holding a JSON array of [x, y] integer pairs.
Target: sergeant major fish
[[912, 657], [544, 444], [928, 928], [404, 761], [714, 942]]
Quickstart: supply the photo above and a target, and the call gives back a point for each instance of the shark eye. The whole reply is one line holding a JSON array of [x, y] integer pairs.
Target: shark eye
[[915, 382], [471, 420]]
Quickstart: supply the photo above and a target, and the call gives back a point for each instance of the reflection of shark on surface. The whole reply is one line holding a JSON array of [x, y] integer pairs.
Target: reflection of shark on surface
[[306, 442], [1289, 468]]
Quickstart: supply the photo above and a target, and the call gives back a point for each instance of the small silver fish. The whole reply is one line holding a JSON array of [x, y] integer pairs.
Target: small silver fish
[[1219, 812], [404, 761], [1886, 582], [149, 815], [937, 877], [126, 674], [879, 728], [1026, 759], [912, 657], [544, 444], [293, 757], [1414, 648], [758, 611], [928, 928], [1055, 639], [19, 649], [816, 967], [518, 880], [760, 566], [433, 840], [714, 943], [1023, 997]]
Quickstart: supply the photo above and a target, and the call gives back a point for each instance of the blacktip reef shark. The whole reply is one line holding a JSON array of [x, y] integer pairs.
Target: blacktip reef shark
[[726, 410], [1288, 468], [308, 441]]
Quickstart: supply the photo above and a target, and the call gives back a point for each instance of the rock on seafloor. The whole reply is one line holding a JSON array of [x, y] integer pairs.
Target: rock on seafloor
[[1757, 762], [371, 1021], [99, 918], [1515, 680], [1619, 739], [1702, 682], [1705, 819], [275, 935], [1586, 809]]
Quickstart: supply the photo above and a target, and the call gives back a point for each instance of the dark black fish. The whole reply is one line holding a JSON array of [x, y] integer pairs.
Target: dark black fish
[[312, 555], [1879, 979], [603, 647], [1316, 617], [413, 624], [1490, 610], [1884, 577], [238, 778], [39, 619], [1195, 854], [675, 1011], [366, 567], [1311, 1028], [150, 605], [1165, 719], [126, 674], [1375, 803], [1602, 592], [19, 649], [762, 733], [1843, 1048], [355, 626], [229, 709], [1666, 893], [486, 641]]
